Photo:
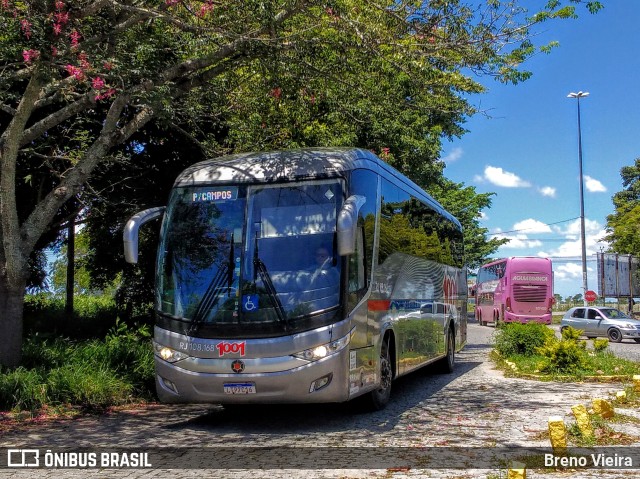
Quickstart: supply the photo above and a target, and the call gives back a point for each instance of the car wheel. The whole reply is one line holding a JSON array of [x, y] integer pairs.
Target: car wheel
[[637, 340], [614, 335]]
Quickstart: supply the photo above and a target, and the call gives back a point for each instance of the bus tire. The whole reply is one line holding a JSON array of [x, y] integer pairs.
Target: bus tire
[[379, 398], [447, 364]]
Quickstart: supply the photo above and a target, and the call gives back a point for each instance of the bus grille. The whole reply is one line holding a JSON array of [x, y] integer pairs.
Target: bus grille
[[525, 293]]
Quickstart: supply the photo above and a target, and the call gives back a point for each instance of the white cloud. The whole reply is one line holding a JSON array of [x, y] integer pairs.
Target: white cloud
[[532, 226], [568, 271], [548, 191], [594, 232], [453, 156], [573, 229], [593, 185], [517, 241], [506, 179]]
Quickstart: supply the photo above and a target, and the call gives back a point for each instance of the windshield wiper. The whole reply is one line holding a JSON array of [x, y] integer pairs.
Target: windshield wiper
[[215, 290], [271, 290], [261, 268], [210, 298]]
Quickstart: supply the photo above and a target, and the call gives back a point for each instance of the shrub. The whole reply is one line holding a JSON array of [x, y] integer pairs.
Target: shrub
[[88, 386], [23, 389], [92, 374], [600, 344], [571, 334], [92, 315], [564, 356], [525, 339]]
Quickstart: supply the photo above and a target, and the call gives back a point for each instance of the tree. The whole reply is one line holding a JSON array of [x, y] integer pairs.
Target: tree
[[623, 234], [466, 205], [80, 77]]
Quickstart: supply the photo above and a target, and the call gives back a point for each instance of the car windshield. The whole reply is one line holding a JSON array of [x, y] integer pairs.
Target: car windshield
[[612, 313]]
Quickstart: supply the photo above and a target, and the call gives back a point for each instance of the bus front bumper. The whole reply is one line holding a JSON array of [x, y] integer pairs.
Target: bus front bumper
[[325, 380]]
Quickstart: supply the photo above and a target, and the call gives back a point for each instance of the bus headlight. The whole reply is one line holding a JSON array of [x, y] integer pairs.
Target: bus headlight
[[324, 350], [168, 354]]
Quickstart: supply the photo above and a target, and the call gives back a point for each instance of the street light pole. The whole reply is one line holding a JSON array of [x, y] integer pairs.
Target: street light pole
[[585, 288]]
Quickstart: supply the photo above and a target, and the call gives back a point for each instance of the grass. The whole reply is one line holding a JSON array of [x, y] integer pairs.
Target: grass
[[595, 366], [532, 350], [85, 375], [603, 434]]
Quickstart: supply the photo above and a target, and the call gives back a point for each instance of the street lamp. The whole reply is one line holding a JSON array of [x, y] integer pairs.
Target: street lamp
[[577, 96]]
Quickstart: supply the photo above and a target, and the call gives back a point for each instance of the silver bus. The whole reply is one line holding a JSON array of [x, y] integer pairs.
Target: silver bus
[[301, 276]]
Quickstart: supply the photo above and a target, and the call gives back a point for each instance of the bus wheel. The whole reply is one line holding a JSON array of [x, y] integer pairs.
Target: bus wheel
[[380, 397], [447, 364]]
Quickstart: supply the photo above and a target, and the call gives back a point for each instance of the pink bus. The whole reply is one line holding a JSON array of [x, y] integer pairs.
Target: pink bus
[[516, 289]]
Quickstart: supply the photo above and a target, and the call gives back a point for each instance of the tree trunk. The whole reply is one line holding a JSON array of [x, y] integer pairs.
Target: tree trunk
[[71, 255], [11, 311]]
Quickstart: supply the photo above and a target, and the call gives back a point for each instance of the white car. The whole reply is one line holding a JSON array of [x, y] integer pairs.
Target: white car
[[602, 322]]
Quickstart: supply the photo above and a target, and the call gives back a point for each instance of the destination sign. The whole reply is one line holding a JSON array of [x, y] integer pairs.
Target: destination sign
[[215, 194], [530, 277]]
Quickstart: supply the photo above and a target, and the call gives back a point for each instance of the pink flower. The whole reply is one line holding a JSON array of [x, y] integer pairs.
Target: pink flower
[[276, 93], [171, 3], [61, 17], [75, 72], [110, 92], [107, 65], [205, 8], [57, 29], [30, 55], [59, 5], [25, 26], [84, 61], [75, 38], [97, 83]]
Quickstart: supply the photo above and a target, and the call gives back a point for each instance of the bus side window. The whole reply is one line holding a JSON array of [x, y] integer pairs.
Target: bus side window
[[365, 183]]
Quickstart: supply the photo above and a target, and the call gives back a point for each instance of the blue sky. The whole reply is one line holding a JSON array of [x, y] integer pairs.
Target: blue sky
[[525, 147]]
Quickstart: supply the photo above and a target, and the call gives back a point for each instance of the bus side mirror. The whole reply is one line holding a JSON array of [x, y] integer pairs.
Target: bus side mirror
[[347, 223], [130, 234]]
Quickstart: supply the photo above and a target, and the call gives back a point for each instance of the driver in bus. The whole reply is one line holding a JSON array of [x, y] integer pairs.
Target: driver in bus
[[324, 274]]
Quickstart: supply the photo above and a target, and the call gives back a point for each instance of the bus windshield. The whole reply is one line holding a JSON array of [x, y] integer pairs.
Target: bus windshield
[[250, 255]]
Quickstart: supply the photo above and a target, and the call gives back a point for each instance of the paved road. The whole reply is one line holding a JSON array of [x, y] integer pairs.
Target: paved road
[[474, 409]]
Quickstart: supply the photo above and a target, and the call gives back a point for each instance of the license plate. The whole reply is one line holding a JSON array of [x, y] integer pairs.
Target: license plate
[[240, 388]]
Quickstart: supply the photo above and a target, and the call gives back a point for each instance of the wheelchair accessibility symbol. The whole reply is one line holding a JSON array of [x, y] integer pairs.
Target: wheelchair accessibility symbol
[[249, 302]]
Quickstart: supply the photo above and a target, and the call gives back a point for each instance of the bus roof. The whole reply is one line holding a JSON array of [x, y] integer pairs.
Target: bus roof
[[297, 164], [517, 259]]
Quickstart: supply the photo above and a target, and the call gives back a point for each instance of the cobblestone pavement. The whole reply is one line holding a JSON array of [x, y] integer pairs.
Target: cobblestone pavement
[[472, 414]]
